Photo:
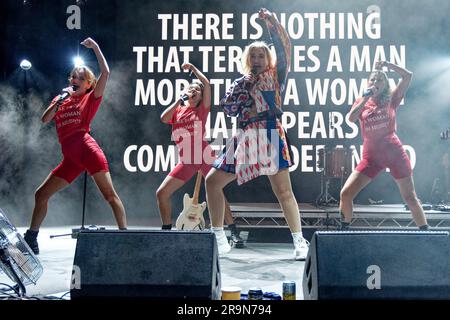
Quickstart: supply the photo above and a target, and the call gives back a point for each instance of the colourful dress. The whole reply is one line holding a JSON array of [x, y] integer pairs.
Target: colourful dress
[[260, 146]]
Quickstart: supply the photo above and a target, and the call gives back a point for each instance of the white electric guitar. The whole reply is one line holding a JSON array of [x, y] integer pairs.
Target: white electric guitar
[[191, 218]]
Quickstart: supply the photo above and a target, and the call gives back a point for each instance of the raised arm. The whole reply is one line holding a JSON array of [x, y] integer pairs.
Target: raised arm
[[281, 42], [204, 80], [402, 87], [104, 69]]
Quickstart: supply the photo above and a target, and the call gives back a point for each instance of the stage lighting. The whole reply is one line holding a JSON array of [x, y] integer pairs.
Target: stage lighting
[[78, 62], [25, 64]]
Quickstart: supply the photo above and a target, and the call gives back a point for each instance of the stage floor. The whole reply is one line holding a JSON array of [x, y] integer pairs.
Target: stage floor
[[264, 265]]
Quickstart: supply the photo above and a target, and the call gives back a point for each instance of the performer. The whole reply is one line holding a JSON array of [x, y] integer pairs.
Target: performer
[[376, 111], [73, 112], [255, 99], [188, 116]]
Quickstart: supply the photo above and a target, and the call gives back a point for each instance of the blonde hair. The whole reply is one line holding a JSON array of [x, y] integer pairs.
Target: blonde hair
[[245, 59], [386, 93], [88, 74]]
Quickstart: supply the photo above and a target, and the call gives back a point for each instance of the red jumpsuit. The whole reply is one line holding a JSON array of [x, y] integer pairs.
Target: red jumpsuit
[[195, 154]]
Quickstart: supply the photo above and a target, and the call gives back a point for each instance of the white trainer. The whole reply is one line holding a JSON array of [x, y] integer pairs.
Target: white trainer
[[301, 249], [222, 244]]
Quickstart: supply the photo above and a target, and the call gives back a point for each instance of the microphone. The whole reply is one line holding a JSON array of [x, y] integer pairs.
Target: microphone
[[184, 98], [254, 71], [368, 92], [65, 94]]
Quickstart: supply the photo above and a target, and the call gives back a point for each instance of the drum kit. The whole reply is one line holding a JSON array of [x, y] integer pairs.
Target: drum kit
[[336, 164]]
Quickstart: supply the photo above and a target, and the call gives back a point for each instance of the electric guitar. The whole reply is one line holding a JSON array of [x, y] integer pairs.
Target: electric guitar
[[191, 218]]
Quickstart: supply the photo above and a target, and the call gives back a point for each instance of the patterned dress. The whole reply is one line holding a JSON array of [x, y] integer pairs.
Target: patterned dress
[[260, 146]]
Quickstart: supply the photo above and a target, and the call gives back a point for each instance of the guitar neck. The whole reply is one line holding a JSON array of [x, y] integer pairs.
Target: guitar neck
[[197, 188]]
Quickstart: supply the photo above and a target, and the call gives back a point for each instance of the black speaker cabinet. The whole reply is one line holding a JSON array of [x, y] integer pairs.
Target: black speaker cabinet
[[146, 264], [378, 265]]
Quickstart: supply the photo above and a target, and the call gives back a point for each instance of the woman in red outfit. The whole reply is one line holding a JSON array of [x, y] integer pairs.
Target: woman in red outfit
[[188, 117], [73, 116], [382, 149]]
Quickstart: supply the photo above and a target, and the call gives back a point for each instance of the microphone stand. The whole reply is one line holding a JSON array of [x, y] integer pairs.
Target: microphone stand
[[75, 231]]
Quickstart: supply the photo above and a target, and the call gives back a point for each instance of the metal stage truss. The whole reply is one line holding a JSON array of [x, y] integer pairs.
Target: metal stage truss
[[386, 216]]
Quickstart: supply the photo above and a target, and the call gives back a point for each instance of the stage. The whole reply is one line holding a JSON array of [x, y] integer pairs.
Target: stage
[[265, 262], [264, 265]]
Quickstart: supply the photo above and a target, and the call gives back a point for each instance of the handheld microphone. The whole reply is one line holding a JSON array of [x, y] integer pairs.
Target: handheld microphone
[[254, 72], [368, 92], [184, 98], [65, 94]]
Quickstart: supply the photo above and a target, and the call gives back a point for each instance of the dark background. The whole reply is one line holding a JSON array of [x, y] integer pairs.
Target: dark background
[[37, 30]]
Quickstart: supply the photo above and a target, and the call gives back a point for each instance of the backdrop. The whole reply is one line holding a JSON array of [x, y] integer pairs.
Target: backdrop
[[334, 47]]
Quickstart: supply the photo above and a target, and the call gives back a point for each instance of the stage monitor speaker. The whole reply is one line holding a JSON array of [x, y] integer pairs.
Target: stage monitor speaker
[[146, 264], [378, 265]]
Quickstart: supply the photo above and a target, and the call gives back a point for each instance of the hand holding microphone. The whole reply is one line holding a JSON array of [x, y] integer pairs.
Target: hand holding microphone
[[251, 78], [184, 97], [66, 92], [369, 92]]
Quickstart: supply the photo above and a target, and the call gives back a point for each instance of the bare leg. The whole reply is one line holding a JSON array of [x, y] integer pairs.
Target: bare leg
[[354, 184], [408, 192], [105, 185], [282, 187], [228, 215], [215, 181], [48, 188], [163, 195]]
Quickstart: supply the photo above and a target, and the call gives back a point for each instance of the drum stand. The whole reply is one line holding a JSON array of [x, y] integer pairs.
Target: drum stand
[[325, 198]]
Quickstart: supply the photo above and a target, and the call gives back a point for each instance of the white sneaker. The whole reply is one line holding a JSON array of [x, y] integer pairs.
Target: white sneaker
[[301, 249], [222, 244]]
